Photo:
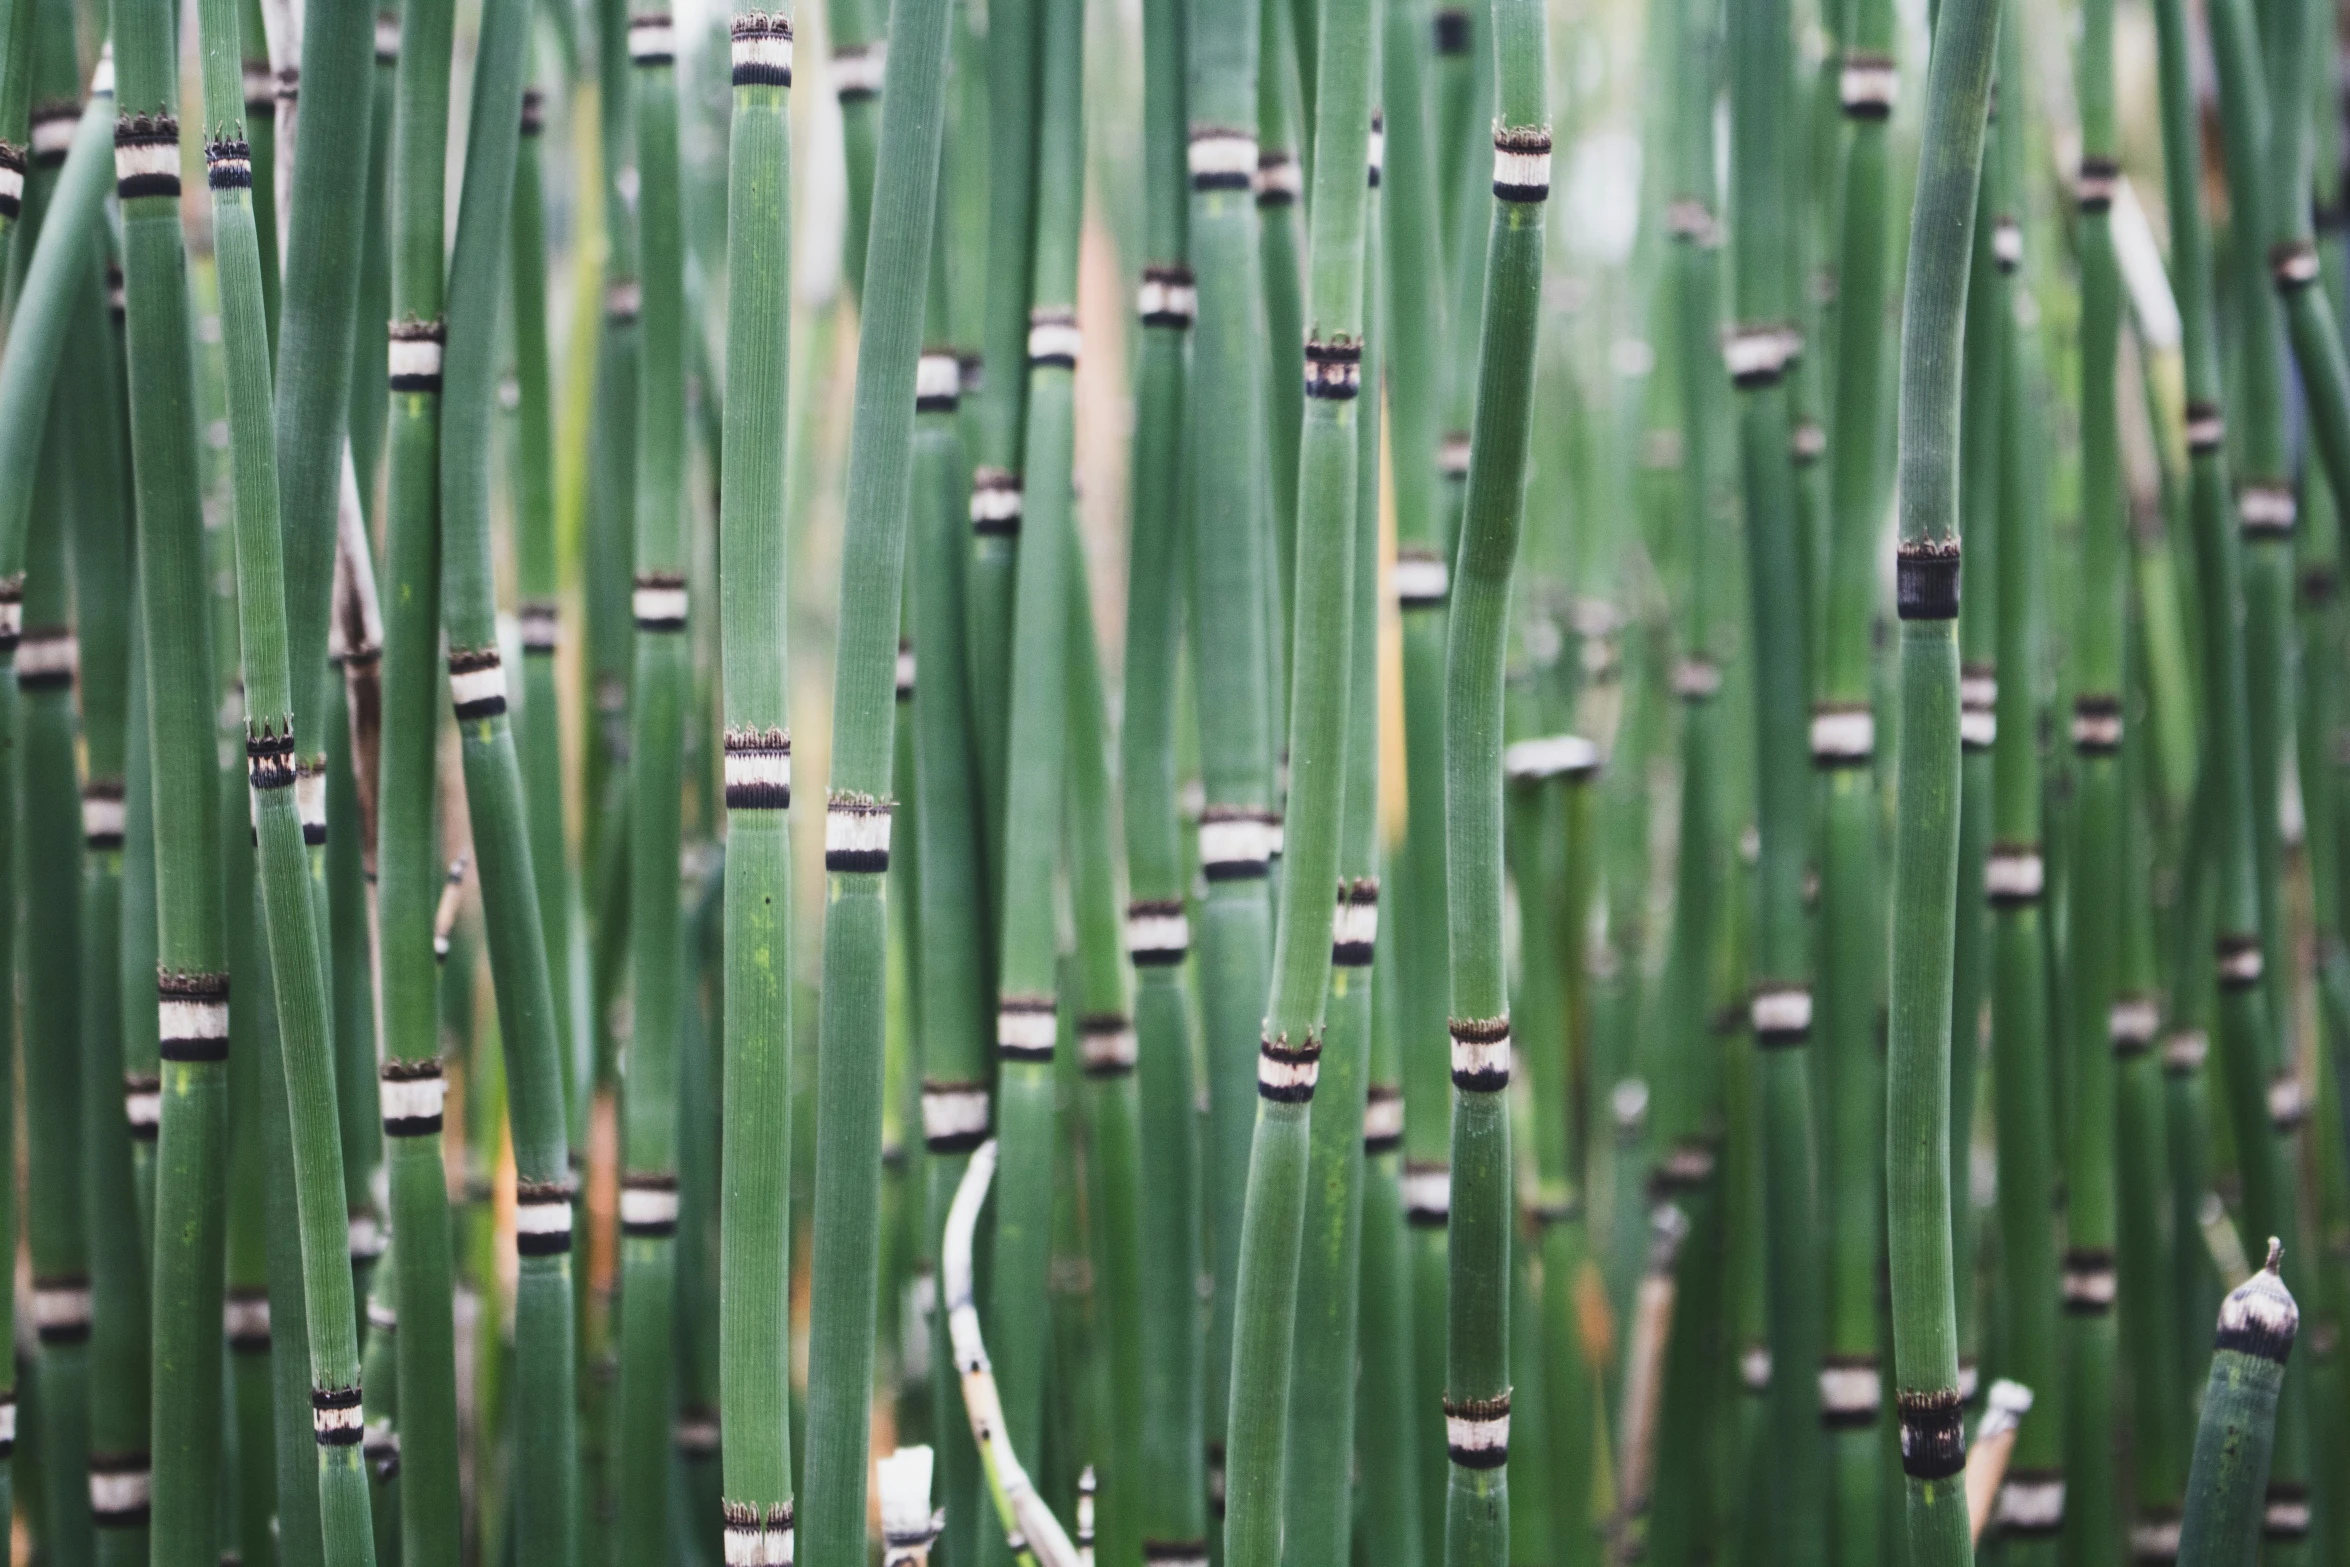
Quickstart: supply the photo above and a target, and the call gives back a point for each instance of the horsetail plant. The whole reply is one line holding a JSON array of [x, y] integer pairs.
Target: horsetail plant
[[660, 694], [1318, 1505], [191, 951], [120, 1321], [845, 1257], [288, 810], [1266, 1284], [1229, 657], [1027, 958], [544, 1452], [1477, 1395], [754, 1200], [2030, 1506], [409, 869], [1925, 862], [1843, 752], [2093, 935], [952, 918], [1760, 348], [1412, 270], [1172, 1486], [2235, 1437]]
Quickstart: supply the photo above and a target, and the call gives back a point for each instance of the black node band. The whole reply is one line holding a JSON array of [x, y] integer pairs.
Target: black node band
[[1933, 1434], [1925, 581]]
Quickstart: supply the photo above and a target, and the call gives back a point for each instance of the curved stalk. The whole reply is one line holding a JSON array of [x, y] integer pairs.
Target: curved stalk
[[1477, 1400], [1925, 1332]]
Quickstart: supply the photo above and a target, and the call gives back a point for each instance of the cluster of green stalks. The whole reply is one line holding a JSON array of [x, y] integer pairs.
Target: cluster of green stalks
[[1684, 903]]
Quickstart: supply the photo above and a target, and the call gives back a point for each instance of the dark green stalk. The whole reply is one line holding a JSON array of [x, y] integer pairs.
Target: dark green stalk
[[190, 949], [660, 694], [1925, 1333], [2264, 494], [370, 398], [1027, 961], [325, 236], [540, 747], [844, 1264], [1013, 112], [120, 1322], [1477, 1399], [2030, 1509], [409, 867], [2233, 1441], [288, 805], [1760, 348], [2093, 933], [1272, 1225], [542, 1479], [859, 51], [1413, 272], [1318, 1508], [1228, 559], [48, 888], [1280, 185], [1172, 1485], [754, 1201], [952, 917], [1843, 746]]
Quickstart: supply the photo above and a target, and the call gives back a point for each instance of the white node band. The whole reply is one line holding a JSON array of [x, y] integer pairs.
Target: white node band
[[1481, 1064], [114, 1493], [958, 1116], [1848, 1390], [652, 40], [757, 772], [1471, 1439], [1521, 174], [412, 359], [1844, 734], [1866, 85], [1026, 1030], [2013, 875], [937, 378], [412, 1099], [658, 606], [1107, 1052], [1288, 1076], [2184, 1052], [857, 70], [61, 1310], [1164, 302], [1421, 580], [1697, 679], [1234, 846], [1354, 930], [648, 1207], [1222, 160], [1157, 935], [1782, 1013], [1552, 756], [478, 692], [763, 58], [102, 819], [1756, 355], [246, 1317], [856, 836], [2035, 1505], [2007, 244], [1054, 342], [2266, 510], [142, 1108], [179, 1018], [1383, 1118], [1427, 1192], [2288, 1105], [1978, 728], [2132, 1023]]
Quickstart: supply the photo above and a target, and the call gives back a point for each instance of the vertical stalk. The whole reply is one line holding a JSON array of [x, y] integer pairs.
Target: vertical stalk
[[1318, 1511], [1412, 270], [541, 1477], [845, 1257], [1843, 751], [325, 235], [1266, 1284], [1229, 657], [409, 869], [1173, 1482], [2234, 1440], [1477, 1400], [1034, 801], [1925, 863], [2093, 924], [754, 1212], [191, 949], [1760, 349], [2030, 1507], [120, 1321]]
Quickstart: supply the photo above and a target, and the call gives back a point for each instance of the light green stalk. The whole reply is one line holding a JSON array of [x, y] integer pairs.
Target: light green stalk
[[1266, 1284], [845, 1259], [754, 1202], [1228, 559], [1034, 799], [2234, 1440], [1477, 1400]]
